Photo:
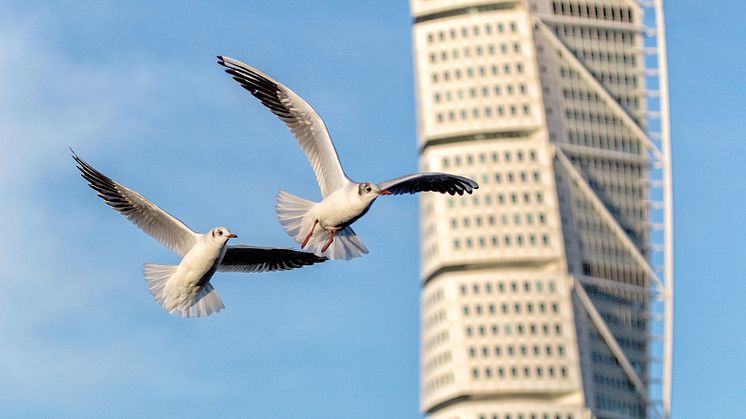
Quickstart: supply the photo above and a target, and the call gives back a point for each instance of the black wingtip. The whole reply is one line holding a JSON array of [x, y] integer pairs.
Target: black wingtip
[[77, 159], [74, 155], [471, 183]]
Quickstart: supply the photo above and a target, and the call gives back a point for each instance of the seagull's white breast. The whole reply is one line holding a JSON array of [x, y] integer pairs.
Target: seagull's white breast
[[341, 207], [184, 285]]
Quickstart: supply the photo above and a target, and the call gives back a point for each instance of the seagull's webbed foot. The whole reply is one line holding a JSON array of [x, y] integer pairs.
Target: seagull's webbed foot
[[329, 243], [308, 237]]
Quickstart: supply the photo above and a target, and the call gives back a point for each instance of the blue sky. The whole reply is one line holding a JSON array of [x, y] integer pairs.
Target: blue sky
[[134, 89]]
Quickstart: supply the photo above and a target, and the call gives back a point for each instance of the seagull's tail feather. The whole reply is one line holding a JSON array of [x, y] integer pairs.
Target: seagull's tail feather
[[204, 303], [346, 244], [292, 211], [207, 302], [157, 276]]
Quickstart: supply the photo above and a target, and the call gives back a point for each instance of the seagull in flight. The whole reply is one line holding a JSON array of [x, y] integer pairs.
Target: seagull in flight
[[324, 227], [184, 290]]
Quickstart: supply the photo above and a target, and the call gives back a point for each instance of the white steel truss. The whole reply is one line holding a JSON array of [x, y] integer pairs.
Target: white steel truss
[[659, 263], [661, 134], [611, 342]]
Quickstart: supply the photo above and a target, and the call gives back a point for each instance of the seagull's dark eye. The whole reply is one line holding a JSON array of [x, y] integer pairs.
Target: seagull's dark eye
[[368, 189], [220, 232]]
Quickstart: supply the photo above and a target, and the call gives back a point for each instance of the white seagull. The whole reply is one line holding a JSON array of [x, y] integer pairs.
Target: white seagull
[[316, 224], [184, 290]]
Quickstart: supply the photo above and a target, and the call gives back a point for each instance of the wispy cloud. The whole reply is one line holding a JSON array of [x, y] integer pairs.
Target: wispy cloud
[[50, 344]]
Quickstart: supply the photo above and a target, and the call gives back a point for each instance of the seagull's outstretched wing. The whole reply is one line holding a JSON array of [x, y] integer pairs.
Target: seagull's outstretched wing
[[244, 258], [164, 227], [305, 124], [428, 182]]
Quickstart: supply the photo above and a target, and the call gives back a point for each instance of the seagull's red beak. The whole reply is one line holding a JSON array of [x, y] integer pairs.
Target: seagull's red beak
[[384, 192], [231, 236]]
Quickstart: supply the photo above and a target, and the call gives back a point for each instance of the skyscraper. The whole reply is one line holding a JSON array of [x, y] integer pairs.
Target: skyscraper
[[549, 292]]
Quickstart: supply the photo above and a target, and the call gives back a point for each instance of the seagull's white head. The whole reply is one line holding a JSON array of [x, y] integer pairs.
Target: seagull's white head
[[221, 235], [368, 191]]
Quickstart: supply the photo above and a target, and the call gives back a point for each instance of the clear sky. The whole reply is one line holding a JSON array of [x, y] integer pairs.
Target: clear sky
[[134, 88]]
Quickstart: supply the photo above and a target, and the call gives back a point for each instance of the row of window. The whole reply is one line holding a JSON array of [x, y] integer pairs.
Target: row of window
[[481, 71], [437, 360], [588, 33], [505, 308], [626, 408], [494, 241], [588, 95], [591, 225], [437, 382], [604, 358], [476, 30], [509, 176], [517, 219], [605, 249], [592, 11], [628, 209], [511, 350], [494, 157], [528, 416], [433, 298], [618, 383], [626, 80], [479, 50], [486, 112], [629, 274], [593, 117], [602, 140], [604, 56], [429, 252], [436, 340], [434, 319], [623, 299], [520, 329], [625, 342], [513, 286], [485, 91], [501, 198], [615, 168], [513, 372]]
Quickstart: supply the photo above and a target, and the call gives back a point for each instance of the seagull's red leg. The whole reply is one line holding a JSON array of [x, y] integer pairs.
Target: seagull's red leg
[[329, 243], [308, 237]]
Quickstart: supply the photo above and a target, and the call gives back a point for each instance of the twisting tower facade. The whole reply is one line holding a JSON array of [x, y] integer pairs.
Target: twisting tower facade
[[549, 292]]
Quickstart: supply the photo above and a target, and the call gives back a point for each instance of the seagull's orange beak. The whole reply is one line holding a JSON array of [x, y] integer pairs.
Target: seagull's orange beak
[[384, 192], [231, 236]]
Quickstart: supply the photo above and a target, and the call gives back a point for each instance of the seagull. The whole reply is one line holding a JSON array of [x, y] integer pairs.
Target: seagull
[[324, 227], [184, 290]]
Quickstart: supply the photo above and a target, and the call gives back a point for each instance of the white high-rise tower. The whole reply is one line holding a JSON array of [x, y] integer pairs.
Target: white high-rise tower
[[549, 292]]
